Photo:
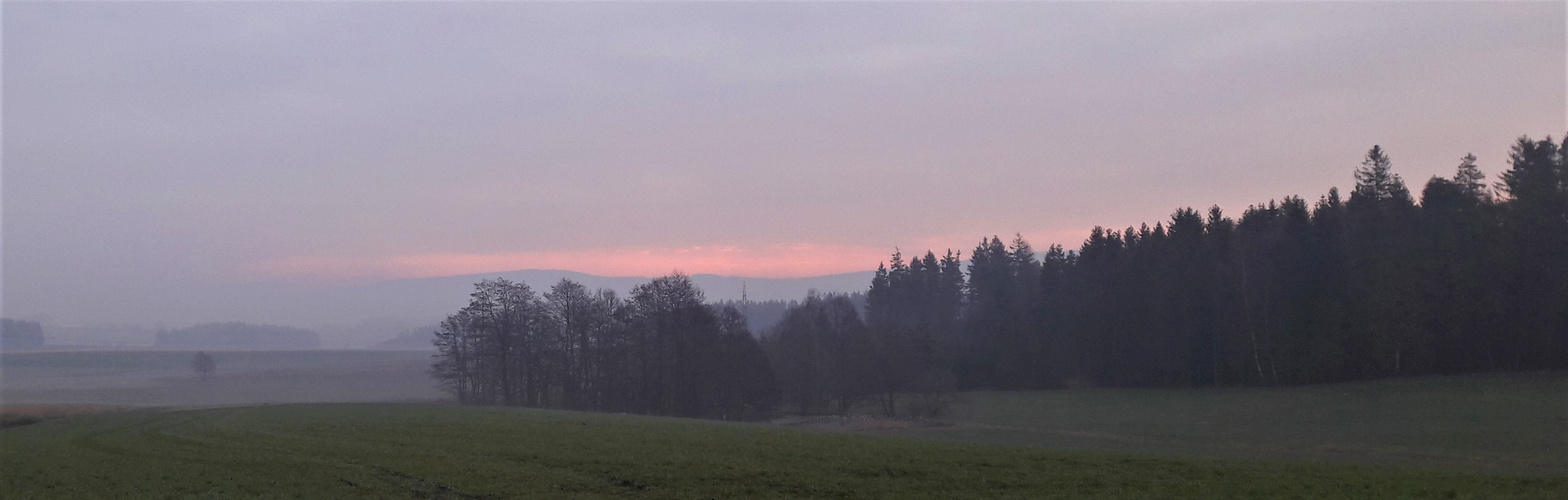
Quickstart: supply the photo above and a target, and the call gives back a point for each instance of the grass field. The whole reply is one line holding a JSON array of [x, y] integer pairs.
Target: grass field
[[1509, 423], [1476, 436], [439, 451]]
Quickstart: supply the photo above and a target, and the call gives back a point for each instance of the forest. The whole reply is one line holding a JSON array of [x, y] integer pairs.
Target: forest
[[1473, 277]]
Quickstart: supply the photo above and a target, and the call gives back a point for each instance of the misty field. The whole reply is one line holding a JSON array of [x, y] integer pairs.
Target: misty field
[[438, 451], [1510, 423], [1471, 436], [165, 378]]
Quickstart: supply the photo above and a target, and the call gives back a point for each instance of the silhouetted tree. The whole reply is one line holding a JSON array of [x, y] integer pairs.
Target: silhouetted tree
[[746, 385], [1535, 234], [1382, 222], [204, 365], [576, 319], [914, 320], [822, 354]]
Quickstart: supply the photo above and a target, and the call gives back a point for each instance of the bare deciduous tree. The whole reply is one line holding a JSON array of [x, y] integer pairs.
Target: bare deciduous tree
[[661, 351], [204, 365]]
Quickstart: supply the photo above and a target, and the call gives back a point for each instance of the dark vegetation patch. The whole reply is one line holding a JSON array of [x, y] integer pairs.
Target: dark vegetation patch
[[10, 420], [19, 415]]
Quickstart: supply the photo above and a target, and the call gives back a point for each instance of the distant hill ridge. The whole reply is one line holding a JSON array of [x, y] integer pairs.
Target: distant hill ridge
[[367, 313], [717, 287], [436, 297], [239, 336], [450, 293]]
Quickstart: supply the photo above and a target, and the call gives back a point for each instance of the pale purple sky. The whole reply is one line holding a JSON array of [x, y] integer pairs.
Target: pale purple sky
[[149, 146]]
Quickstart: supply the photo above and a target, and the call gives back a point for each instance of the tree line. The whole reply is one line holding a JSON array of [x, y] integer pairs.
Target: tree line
[[662, 351], [829, 357], [19, 335], [1473, 278], [235, 335]]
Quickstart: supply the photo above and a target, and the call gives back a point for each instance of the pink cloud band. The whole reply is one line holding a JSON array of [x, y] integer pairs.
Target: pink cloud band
[[774, 261]]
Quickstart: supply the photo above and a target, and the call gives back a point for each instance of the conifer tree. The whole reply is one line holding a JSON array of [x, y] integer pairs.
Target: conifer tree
[[1470, 180], [1536, 232]]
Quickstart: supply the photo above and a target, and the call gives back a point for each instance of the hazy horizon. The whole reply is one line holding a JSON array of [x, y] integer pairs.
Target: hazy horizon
[[160, 155], [331, 249], [361, 315]]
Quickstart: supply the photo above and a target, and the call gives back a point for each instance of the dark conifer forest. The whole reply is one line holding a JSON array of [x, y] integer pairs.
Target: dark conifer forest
[[1470, 277]]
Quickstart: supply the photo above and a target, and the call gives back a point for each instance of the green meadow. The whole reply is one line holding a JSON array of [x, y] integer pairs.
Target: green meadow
[[141, 424], [1502, 423], [440, 451]]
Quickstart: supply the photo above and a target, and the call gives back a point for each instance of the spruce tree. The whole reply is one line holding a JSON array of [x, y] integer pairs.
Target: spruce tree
[[1536, 229], [1376, 180], [1470, 179]]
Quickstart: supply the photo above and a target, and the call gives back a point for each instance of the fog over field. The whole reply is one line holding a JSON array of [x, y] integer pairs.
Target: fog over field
[[165, 378], [350, 315]]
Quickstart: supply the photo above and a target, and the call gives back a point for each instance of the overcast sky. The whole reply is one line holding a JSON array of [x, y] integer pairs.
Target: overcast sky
[[151, 146]]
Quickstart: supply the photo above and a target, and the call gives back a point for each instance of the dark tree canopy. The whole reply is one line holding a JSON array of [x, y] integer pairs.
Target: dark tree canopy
[[1291, 291], [660, 351]]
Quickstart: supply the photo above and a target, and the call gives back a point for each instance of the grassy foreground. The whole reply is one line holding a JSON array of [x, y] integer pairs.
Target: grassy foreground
[[433, 451], [1516, 423]]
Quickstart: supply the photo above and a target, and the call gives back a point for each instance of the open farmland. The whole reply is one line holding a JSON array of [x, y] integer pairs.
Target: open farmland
[[165, 378], [438, 451], [1475, 436], [1503, 423]]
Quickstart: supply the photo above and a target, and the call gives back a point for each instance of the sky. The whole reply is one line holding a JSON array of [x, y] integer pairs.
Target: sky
[[166, 148]]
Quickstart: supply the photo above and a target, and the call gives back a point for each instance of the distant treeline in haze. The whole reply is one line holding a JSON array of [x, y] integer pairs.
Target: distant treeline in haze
[[235, 335], [762, 315], [1473, 278], [20, 335]]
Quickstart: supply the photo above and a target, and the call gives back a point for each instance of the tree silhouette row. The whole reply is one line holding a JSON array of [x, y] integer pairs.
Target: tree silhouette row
[[1473, 278], [660, 351]]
